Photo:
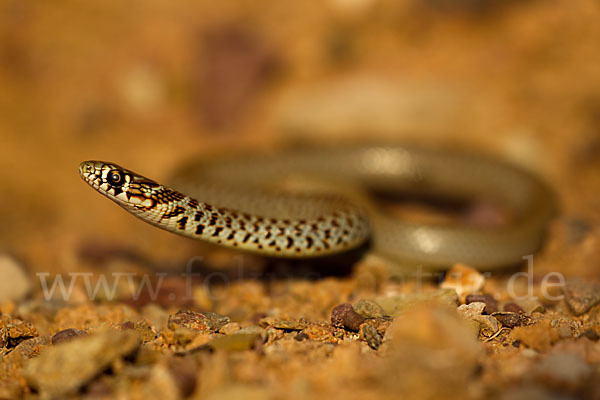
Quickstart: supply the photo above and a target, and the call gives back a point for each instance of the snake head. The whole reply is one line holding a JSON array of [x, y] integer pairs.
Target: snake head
[[125, 187]]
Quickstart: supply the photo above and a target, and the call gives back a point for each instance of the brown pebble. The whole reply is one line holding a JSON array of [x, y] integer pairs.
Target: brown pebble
[[289, 325], [197, 321], [67, 335], [13, 331], [580, 297], [371, 336], [344, 316], [510, 319], [301, 336], [516, 343], [491, 305], [513, 308]]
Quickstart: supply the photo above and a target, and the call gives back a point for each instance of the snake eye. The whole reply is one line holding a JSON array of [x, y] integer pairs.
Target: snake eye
[[115, 178]]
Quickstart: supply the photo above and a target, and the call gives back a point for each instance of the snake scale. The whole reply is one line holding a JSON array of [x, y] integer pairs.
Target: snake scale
[[236, 203]]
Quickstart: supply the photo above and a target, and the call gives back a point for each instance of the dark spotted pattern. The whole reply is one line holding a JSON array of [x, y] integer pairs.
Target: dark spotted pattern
[[171, 210]]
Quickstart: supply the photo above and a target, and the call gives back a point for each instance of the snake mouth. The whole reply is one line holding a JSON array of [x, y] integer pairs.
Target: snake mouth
[[91, 173], [94, 174]]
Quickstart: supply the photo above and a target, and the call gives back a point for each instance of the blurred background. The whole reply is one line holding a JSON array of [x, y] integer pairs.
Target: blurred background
[[149, 84]]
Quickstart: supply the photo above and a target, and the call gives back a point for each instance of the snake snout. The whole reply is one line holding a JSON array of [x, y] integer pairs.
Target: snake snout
[[85, 168]]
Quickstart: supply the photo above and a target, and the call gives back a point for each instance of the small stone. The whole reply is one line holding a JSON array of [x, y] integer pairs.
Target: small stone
[[145, 330], [513, 308], [62, 370], [369, 309], [344, 316], [66, 335], [370, 335], [580, 297], [470, 310], [289, 325], [13, 331], [235, 342], [14, 283], [473, 311], [230, 328], [510, 320], [197, 321], [491, 305], [301, 336], [464, 279], [488, 324]]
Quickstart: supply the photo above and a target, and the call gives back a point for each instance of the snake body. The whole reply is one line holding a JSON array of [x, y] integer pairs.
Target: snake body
[[233, 204]]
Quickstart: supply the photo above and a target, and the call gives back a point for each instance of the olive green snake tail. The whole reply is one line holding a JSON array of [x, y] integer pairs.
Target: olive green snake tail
[[235, 205]]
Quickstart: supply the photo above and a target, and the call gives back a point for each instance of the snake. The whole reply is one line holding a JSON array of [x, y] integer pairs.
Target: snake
[[241, 202]]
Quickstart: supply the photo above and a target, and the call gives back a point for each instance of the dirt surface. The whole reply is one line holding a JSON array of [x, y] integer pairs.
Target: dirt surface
[[145, 314]]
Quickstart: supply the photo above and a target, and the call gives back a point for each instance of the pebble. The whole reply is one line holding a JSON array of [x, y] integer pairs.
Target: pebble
[[491, 305], [62, 370], [470, 310], [344, 316], [369, 309], [487, 323], [370, 335], [464, 279], [66, 335], [473, 311], [580, 297], [14, 283], [13, 331], [197, 321], [289, 325], [230, 328], [146, 331], [510, 319]]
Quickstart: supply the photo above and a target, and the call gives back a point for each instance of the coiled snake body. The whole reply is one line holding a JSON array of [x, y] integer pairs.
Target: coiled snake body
[[233, 205]]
